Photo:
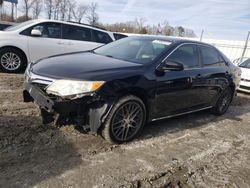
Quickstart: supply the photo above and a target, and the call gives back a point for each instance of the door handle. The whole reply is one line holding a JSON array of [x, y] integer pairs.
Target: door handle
[[60, 43]]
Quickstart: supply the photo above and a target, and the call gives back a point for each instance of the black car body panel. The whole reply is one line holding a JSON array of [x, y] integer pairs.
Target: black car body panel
[[92, 68], [164, 93]]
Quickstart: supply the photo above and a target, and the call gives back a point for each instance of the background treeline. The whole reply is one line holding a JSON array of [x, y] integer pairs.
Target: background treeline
[[70, 10]]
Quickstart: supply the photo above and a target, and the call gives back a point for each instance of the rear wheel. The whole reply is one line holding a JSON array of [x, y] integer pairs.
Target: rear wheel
[[12, 60], [125, 121], [223, 103]]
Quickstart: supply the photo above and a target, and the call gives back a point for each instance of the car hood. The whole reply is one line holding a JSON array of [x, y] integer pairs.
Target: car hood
[[84, 66], [245, 73]]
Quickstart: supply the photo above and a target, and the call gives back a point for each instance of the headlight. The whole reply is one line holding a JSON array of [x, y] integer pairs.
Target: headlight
[[73, 88]]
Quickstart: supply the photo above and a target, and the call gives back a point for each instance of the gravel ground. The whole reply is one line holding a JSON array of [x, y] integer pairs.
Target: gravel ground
[[197, 150]]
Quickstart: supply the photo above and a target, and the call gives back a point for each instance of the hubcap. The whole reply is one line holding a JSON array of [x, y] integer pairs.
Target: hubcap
[[10, 61], [127, 121]]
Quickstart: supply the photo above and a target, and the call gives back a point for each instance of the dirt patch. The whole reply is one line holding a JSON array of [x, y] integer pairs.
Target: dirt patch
[[196, 150]]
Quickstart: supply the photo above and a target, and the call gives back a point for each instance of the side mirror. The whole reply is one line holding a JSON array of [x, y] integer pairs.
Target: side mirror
[[169, 65], [36, 33]]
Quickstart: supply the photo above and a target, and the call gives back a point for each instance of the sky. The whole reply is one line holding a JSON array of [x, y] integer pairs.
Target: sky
[[220, 19]]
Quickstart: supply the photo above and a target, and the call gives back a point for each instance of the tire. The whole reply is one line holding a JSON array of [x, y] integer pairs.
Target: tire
[[223, 103], [12, 60], [125, 121]]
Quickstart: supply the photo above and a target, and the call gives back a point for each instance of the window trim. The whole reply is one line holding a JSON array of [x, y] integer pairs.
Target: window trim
[[176, 48]]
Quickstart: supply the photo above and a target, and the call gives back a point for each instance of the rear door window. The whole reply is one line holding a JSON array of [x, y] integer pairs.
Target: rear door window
[[72, 32], [210, 57], [102, 37]]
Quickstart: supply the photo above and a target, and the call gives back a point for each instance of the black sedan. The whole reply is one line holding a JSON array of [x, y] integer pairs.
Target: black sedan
[[116, 89]]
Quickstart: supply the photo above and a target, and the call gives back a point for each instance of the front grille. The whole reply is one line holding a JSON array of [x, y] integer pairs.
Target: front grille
[[245, 87]]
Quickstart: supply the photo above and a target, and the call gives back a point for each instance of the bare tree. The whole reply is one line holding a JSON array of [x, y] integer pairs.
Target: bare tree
[[181, 31], [1, 9], [37, 8], [49, 8], [71, 9], [139, 22], [27, 4], [56, 4], [92, 16], [64, 8], [80, 12]]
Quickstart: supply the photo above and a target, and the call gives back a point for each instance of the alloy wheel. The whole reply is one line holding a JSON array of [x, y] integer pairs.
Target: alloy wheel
[[225, 102], [10, 61], [127, 121]]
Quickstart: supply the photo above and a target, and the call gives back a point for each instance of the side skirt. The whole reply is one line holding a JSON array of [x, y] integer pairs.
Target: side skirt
[[189, 112]]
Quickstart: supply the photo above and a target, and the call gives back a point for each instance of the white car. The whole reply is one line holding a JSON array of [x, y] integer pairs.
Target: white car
[[245, 76], [36, 39], [239, 60]]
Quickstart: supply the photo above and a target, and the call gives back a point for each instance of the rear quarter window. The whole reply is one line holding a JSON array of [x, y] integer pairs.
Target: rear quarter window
[[119, 36], [211, 57], [102, 37]]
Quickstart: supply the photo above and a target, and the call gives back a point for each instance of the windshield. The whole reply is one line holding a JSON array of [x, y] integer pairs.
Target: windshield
[[245, 64], [134, 49], [16, 27]]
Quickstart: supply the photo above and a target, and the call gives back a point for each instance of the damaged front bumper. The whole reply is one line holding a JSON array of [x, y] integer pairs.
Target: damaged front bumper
[[88, 112]]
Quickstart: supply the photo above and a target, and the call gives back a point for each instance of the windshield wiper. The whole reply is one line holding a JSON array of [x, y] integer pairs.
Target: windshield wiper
[[92, 51]]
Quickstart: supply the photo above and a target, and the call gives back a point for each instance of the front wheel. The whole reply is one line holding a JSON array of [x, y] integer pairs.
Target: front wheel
[[11, 60], [125, 121], [223, 103]]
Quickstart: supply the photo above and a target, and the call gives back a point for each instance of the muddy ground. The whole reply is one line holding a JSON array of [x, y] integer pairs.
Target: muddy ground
[[197, 150]]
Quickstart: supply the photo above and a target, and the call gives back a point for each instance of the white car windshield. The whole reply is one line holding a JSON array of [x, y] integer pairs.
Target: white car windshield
[[245, 64], [16, 27], [135, 49]]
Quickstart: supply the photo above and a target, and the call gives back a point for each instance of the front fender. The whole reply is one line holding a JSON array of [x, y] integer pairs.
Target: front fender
[[19, 43]]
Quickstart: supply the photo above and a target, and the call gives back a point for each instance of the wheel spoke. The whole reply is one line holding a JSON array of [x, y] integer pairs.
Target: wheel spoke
[[126, 133], [120, 132], [118, 122], [133, 116]]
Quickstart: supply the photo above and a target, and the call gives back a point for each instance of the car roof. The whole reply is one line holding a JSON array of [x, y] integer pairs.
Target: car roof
[[73, 23], [169, 39]]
